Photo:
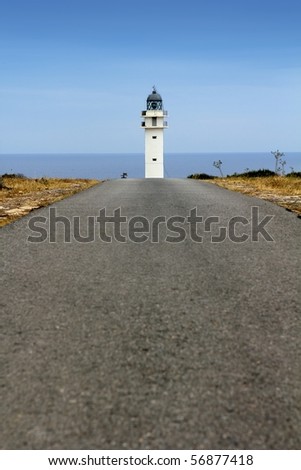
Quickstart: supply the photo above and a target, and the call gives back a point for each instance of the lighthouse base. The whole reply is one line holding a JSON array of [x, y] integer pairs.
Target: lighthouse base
[[154, 170]]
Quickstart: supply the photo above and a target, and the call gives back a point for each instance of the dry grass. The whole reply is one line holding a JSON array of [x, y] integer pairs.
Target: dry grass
[[284, 191], [19, 196]]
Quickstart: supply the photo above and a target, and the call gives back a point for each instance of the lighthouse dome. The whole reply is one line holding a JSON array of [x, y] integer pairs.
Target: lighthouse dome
[[154, 96], [154, 100]]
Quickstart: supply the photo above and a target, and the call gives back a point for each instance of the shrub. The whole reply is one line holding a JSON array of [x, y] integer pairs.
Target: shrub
[[201, 176], [294, 174], [255, 173], [14, 175]]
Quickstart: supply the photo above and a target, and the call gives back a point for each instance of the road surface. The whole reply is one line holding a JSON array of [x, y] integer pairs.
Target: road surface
[[159, 339]]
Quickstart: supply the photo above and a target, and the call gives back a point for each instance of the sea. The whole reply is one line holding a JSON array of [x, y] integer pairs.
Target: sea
[[112, 165]]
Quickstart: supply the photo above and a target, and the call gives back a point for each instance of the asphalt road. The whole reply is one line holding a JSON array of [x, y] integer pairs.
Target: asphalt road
[[152, 344]]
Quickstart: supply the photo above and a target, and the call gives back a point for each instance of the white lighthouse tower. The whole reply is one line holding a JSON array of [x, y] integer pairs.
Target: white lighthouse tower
[[154, 124]]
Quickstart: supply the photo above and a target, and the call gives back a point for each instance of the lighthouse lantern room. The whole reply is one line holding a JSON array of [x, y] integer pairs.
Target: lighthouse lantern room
[[154, 124]]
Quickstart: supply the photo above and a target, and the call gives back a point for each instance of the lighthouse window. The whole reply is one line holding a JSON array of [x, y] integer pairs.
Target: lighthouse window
[[154, 136], [154, 159], [154, 121]]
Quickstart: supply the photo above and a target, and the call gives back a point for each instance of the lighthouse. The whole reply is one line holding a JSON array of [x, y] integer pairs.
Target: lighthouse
[[154, 125]]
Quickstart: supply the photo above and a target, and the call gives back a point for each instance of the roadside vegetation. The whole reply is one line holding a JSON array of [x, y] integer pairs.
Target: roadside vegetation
[[20, 195], [284, 190]]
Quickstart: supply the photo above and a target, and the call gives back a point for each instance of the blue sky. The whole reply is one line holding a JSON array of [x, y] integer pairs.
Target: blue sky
[[75, 74]]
